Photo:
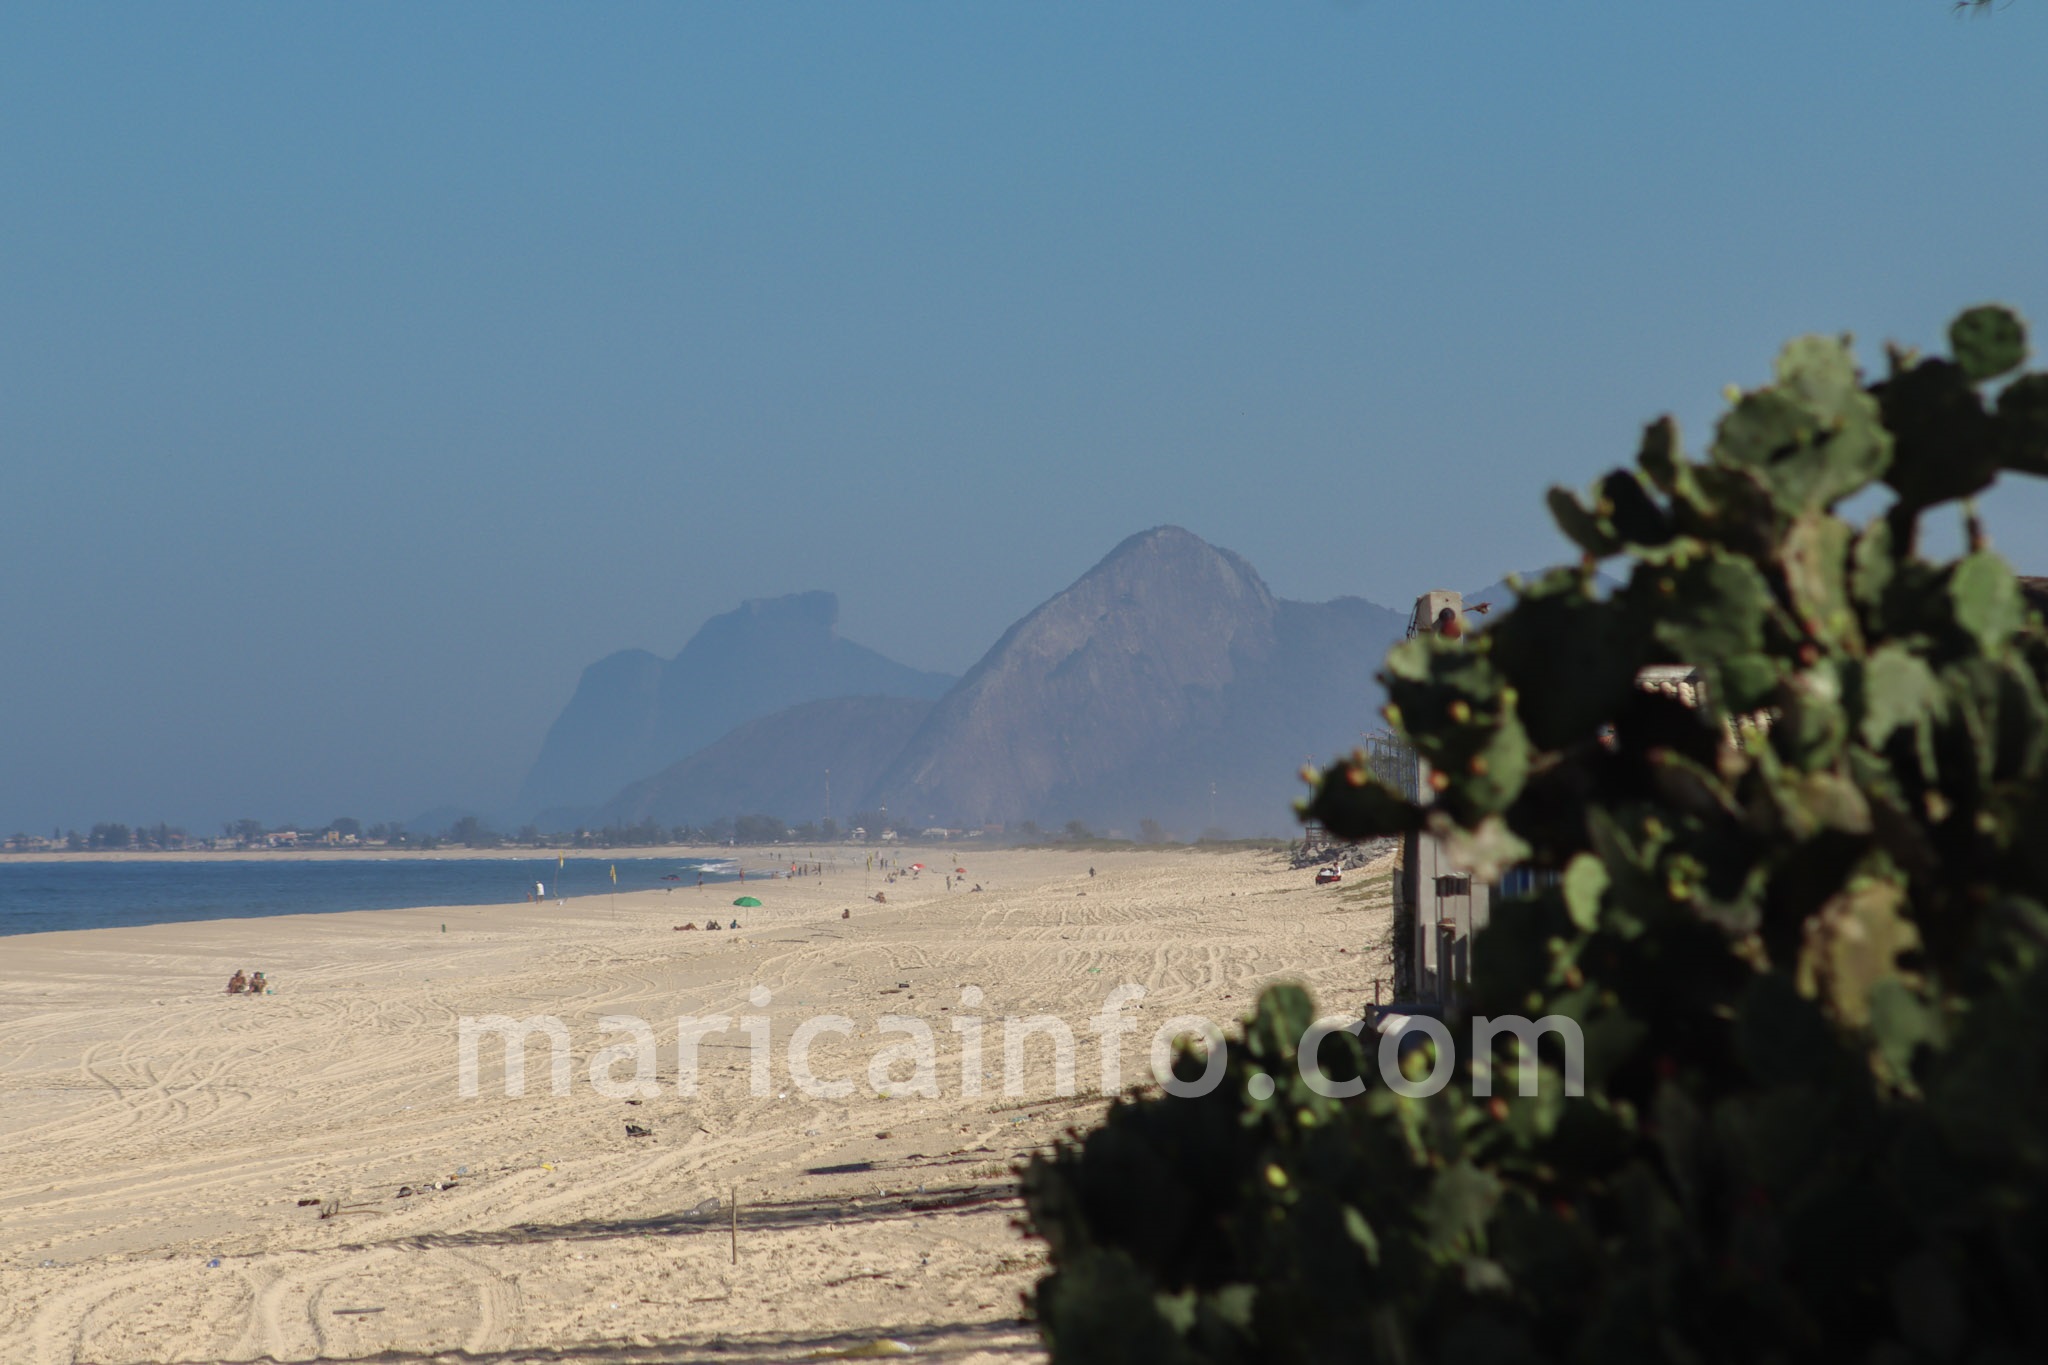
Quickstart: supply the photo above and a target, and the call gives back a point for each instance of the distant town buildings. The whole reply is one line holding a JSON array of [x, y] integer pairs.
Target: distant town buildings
[[118, 838]]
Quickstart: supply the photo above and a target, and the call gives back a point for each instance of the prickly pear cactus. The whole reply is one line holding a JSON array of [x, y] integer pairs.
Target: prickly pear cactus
[[1802, 925]]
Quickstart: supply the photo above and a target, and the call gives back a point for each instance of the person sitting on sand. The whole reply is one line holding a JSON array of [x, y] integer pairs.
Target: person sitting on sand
[[734, 925], [257, 984], [237, 983], [846, 914]]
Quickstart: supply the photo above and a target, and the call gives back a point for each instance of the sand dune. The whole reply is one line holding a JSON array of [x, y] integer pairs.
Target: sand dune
[[157, 1137]]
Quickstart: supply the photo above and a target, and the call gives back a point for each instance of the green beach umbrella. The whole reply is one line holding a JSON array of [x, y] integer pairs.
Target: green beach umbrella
[[746, 900]]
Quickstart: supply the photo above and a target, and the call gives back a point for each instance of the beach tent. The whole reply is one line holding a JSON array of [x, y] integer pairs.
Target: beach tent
[[746, 900]]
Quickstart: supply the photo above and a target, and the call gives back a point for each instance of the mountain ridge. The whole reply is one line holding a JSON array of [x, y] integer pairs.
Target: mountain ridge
[[1166, 683], [1134, 651], [776, 764], [634, 713]]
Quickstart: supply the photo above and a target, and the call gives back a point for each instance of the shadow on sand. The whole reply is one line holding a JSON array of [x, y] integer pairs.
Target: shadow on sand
[[766, 1216], [1011, 1339]]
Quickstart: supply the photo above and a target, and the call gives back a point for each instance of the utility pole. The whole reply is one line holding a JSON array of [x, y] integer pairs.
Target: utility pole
[[828, 794]]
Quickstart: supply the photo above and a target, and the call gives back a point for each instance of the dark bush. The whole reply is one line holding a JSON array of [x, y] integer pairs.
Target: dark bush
[[1802, 924]]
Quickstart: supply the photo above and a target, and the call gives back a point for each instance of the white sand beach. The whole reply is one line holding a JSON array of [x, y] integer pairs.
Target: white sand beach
[[160, 1140]]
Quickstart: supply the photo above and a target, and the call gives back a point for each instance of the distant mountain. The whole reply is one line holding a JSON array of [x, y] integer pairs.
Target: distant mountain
[[1314, 697], [1166, 668], [634, 713], [777, 765], [601, 740], [1167, 683]]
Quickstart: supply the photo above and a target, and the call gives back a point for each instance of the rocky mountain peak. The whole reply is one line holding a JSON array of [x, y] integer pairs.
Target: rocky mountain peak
[[1141, 647]]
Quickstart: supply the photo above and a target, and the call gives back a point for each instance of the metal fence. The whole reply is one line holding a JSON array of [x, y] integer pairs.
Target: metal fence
[[1391, 759]]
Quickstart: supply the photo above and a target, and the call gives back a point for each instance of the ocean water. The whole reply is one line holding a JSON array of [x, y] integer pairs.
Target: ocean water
[[36, 895]]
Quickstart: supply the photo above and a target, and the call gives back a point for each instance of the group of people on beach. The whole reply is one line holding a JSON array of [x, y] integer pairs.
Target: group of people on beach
[[241, 984]]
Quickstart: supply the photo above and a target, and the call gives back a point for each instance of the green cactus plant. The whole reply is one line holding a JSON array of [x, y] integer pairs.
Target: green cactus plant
[[1802, 925]]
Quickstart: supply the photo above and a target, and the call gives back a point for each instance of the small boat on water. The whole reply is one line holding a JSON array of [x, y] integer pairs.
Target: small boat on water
[[1329, 876]]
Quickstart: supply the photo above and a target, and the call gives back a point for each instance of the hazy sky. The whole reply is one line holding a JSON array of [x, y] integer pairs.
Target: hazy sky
[[367, 370]]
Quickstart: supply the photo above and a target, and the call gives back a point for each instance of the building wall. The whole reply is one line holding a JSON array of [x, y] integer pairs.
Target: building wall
[[1450, 907]]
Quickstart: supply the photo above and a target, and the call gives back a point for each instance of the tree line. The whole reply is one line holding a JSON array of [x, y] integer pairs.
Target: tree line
[[472, 831]]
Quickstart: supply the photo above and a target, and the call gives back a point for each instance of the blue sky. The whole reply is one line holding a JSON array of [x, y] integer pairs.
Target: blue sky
[[368, 370]]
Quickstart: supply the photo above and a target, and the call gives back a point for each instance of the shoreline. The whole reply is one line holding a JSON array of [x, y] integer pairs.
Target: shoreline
[[709, 852], [747, 878], [323, 853]]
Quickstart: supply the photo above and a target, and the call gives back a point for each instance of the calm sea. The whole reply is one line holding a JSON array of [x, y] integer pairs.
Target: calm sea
[[36, 896]]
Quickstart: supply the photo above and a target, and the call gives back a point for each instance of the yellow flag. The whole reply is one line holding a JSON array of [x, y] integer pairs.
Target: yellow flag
[[559, 857], [615, 874]]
